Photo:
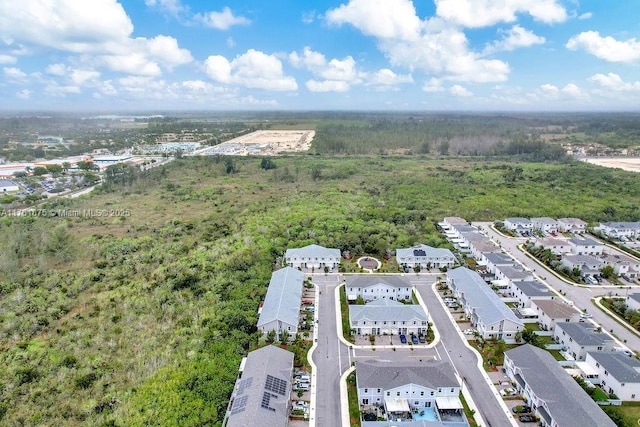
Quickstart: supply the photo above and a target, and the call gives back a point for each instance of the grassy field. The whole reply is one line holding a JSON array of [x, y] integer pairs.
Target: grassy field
[[142, 319]]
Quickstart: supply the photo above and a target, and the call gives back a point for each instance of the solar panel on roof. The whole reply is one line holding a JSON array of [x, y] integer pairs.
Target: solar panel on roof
[[419, 252], [276, 385], [244, 384], [266, 401], [239, 405]]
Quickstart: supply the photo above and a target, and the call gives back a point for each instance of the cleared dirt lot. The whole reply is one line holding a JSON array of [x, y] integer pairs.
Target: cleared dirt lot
[[264, 142], [628, 164]]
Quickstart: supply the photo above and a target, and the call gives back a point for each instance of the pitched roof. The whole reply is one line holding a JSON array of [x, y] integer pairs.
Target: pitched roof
[[6, 183], [500, 259], [283, 298], [556, 309], [583, 333], [533, 288], [622, 225], [312, 251], [391, 374], [518, 220], [544, 220], [386, 309], [550, 241], [455, 220], [364, 281], [479, 295], [261, 395], [464, 228], [634, 296], [623, 368], [584, 242], [514, 272], [427, 251], [486, 246], [572, 221], [568, 403]]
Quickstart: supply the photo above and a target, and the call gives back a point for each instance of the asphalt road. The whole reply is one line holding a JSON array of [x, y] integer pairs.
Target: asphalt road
[[452, 347], [581, 296]]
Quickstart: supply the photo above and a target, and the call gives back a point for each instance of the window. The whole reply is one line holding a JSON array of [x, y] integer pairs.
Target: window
[[388, 393], [606, 373], [379, 390], [431, 393], [366, 390], [422, 393], [397, 393], [451, 390], [365, 401]]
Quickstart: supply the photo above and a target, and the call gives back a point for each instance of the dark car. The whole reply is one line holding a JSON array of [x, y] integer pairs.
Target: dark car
[[521, 409], [422, 338], [527, 419], [403, 339], [414, 339]]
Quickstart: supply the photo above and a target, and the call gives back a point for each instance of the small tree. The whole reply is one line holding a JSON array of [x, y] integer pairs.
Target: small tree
[[607, 271], [284, 336], [40, 171], [271, 336]]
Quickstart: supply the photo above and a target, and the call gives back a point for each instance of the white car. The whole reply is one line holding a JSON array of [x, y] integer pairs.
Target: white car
[[586, 315]]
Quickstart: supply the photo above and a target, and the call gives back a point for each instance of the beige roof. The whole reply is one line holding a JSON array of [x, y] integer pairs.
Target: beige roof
[[555, 309]]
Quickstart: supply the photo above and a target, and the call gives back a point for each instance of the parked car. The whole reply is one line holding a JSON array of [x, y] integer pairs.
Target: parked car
[[586, 315], [307, 302], [310, 309], [301, 386], [403, 338], [527, 419], [414, 339], [422, 338], [521, 409]]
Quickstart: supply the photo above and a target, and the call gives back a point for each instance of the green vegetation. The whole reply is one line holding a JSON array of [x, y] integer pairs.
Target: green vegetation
[[626, 415], [468, 411], [344, 312], [143, 319], [619, 307], [354, 407]]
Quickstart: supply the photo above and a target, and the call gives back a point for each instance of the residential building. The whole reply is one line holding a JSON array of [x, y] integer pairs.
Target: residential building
[[7, 186], [281, 308], [585, 246], [633, 301], [450, 221], [618, 373], [370, 287], [579, 338], [513, 273], [488, 314], [623, 265], [528, 290], [424, 256], [518, 224], [261, 393], [481, 248], [587, 264], [546, 224], [497, 260], [312, 256], [572, 225], [557, 246], [384, 316], [616, 230], [554, 311], [405, 388], [551, 392]]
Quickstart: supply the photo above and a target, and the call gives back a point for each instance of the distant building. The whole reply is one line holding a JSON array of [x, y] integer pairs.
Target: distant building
[[557, 246], [550, 391], [586, 246], [623, 265], [312, 256], [424, 256], [572, 225], [262, 391], [281, 308], [616, 230], [7, 187], [518, 224], [548, 225]]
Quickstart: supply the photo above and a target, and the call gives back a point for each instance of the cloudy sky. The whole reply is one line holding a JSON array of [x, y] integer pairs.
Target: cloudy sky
[[109, 55]]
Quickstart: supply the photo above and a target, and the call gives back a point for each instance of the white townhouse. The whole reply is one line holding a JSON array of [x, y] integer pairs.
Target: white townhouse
[[586, 246], [406, 388], [572, 225], [557, 246], [481, 248], [551, 312], [587, 264], [371, 287], [518, 224], [579, 338], [623, 265], [512, 273], [497, 260], [550, 391], [281, 308], [529, 290], [486, 311], [616, 230], [633, 301], [546, 224], [424, 256], [618, 373], [387, 317], [7, 186], [312, 256], [262, 391], [449, 221]]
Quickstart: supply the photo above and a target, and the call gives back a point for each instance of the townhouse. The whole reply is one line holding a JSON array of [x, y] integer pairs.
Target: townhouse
[[579, 338], [518, 224], [424, 256], [617, 373], [585, 246], [551, 312], [617, 230], [281, 308], [546, 224], [387, 317], [572, 225], [557, 246], [312, 257], [371, 287]]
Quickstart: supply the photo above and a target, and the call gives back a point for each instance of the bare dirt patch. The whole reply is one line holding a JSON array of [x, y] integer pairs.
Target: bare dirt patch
[[628, 164]]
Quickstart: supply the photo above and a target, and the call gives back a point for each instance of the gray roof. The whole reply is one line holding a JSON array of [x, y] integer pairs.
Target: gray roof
[[391, 374], [500, 259], [313, 251], [583, 259], [568, 403], [453, 220], [574, 221], [623, 368], [544, 220], [584, 242], [634, 296], [283, 298], [486, 246], [464, 228], [474, 236], [364, 281], [556, 309], [623, 225], [479, 295], [429, 251], [6, 183], [518, 220], [513, 272], [583, 333], [550, 241], [267, 373], [386, 309], [533, 288]]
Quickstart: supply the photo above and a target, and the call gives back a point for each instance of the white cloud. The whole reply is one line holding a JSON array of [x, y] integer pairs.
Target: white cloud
[[515, 38], [308, 17], [56, 69], [327, 86], [231, 42], [8, 59], [433, 85], [550, 89], [221, 20], [14, 74], [606, 48], [485, 13], [434, 46], [166, 50], [253, 69], [24, 94], [386, 77], [384, 19], [55, 89], [133, 63], [459, 91], [574, 91], [172, 7], [586, 15], [613, 82], [81, 77]]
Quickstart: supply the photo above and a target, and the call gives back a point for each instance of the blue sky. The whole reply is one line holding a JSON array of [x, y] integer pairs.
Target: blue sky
[[480, 55]]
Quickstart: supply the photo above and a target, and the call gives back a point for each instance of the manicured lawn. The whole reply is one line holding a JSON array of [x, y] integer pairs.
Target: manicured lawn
[[556, 354], [344, 310], [599, 395], [468, 412], [531, 327], [354, 409]]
